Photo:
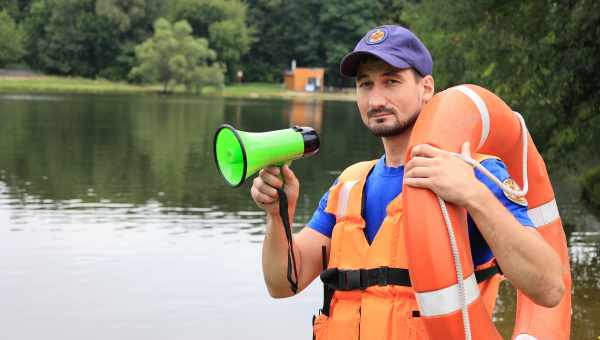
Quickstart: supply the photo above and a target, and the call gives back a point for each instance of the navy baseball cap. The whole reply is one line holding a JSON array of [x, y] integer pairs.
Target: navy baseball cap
[[395, 45]]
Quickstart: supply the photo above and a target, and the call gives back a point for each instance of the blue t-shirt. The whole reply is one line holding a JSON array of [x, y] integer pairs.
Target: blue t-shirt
[[385, 183]]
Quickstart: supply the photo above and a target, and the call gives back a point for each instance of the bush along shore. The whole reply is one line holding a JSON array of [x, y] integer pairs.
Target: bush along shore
[[41, 83]]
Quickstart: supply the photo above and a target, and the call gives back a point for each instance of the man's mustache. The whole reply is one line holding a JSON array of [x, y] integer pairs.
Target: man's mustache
[[374, 112]]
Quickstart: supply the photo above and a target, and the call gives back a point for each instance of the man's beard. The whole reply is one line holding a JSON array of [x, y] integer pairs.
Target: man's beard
[[394, 130]]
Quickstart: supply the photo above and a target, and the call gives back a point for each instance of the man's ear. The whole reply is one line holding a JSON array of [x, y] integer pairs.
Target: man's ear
[[428, 88]]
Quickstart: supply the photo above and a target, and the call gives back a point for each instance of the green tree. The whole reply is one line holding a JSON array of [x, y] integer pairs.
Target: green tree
[[11, 40], [133, 20], [223, 23], [17, 9], [343, 23], [87, 37], [314, 33], [173, 56], [67, 37], [539, 56]]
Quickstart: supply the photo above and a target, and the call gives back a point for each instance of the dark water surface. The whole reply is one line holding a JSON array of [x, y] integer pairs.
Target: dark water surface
[[114, 223]]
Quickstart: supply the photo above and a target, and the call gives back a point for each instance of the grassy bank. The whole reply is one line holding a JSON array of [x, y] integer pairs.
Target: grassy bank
[[265, 90], [82, 85], [67, 84]]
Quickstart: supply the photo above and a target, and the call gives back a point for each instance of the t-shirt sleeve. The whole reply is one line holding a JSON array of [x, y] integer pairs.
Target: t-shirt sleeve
[[498, 169], [479, 248], [321, 220]]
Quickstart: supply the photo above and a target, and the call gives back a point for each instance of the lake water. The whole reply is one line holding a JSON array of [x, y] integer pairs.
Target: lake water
[[115, 224]]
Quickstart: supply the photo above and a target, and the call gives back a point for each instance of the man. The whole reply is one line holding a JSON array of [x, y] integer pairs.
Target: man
[[392, 69]]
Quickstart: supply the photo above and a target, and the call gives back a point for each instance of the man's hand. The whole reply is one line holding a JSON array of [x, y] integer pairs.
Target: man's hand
[[444, 174], [265, 185]]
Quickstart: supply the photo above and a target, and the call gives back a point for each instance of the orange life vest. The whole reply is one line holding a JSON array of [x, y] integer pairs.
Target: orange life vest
[[380, 311]]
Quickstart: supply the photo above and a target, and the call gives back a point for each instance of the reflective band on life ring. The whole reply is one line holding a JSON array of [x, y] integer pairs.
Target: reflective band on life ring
[[525, 337], [544, 214], [445, 300], [483, 111]]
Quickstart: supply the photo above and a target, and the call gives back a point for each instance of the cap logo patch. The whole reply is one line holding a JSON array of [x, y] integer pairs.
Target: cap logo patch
[[520, 200], [377, 37]]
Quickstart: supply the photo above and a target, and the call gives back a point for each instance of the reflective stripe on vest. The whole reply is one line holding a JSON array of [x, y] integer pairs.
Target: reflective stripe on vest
[[446, 300], [343, 198]]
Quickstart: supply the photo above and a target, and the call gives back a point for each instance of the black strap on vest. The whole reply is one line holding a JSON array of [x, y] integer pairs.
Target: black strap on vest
[[354, 279], [346, 280], [327, 291], [285, 218], [484, 274]]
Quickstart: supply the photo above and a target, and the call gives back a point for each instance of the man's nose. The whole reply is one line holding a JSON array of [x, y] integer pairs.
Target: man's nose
[[377, 98]]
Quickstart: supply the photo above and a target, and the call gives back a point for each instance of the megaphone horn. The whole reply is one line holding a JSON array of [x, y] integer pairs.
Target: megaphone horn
[[240, 154]]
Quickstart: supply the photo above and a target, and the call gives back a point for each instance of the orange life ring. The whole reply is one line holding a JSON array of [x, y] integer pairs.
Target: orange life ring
[[474, 114]]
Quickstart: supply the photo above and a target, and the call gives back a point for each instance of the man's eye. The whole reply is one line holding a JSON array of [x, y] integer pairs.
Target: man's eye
[[393, 81], [365, 84]]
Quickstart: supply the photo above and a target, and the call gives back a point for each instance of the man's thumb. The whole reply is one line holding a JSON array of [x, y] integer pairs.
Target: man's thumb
[[288, 174]]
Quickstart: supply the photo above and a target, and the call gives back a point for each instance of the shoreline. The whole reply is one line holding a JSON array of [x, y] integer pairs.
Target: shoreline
[[55, 84]]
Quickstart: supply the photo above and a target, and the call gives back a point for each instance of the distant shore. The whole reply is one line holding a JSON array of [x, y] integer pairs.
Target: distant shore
[[42, 83]]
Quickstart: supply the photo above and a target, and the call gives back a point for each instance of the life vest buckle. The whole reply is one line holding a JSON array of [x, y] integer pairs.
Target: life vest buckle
[[353, 279]]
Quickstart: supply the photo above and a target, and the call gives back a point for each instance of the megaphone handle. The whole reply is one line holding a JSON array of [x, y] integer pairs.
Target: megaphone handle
[[285, 218]]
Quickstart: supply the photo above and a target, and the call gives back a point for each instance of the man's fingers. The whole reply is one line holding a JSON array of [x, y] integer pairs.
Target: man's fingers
[[265, 199], [419, 161], [419, 172], [271, 177], [418, 182], [268, 190], [260, 186], [261, 197], [274, 170], [426, 150]]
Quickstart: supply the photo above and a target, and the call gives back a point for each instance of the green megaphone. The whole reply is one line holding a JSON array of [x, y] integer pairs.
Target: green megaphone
[[240, 154]]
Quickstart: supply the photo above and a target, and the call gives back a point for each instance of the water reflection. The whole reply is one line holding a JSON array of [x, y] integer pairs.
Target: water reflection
[[306, 113], [112, 211]]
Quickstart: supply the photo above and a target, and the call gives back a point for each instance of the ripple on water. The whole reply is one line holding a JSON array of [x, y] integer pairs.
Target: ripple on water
[[584, 247], [30, 97]]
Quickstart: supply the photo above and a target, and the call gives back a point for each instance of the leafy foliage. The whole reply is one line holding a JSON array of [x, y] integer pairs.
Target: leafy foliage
[[223, 23], [87, 37], [16, 9], [173, 56], [11, 40], [539, 56], [590, 182], [312, 32], [66, 37]]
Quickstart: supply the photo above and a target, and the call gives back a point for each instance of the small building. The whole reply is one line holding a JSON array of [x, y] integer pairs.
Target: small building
[[304, 79]]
